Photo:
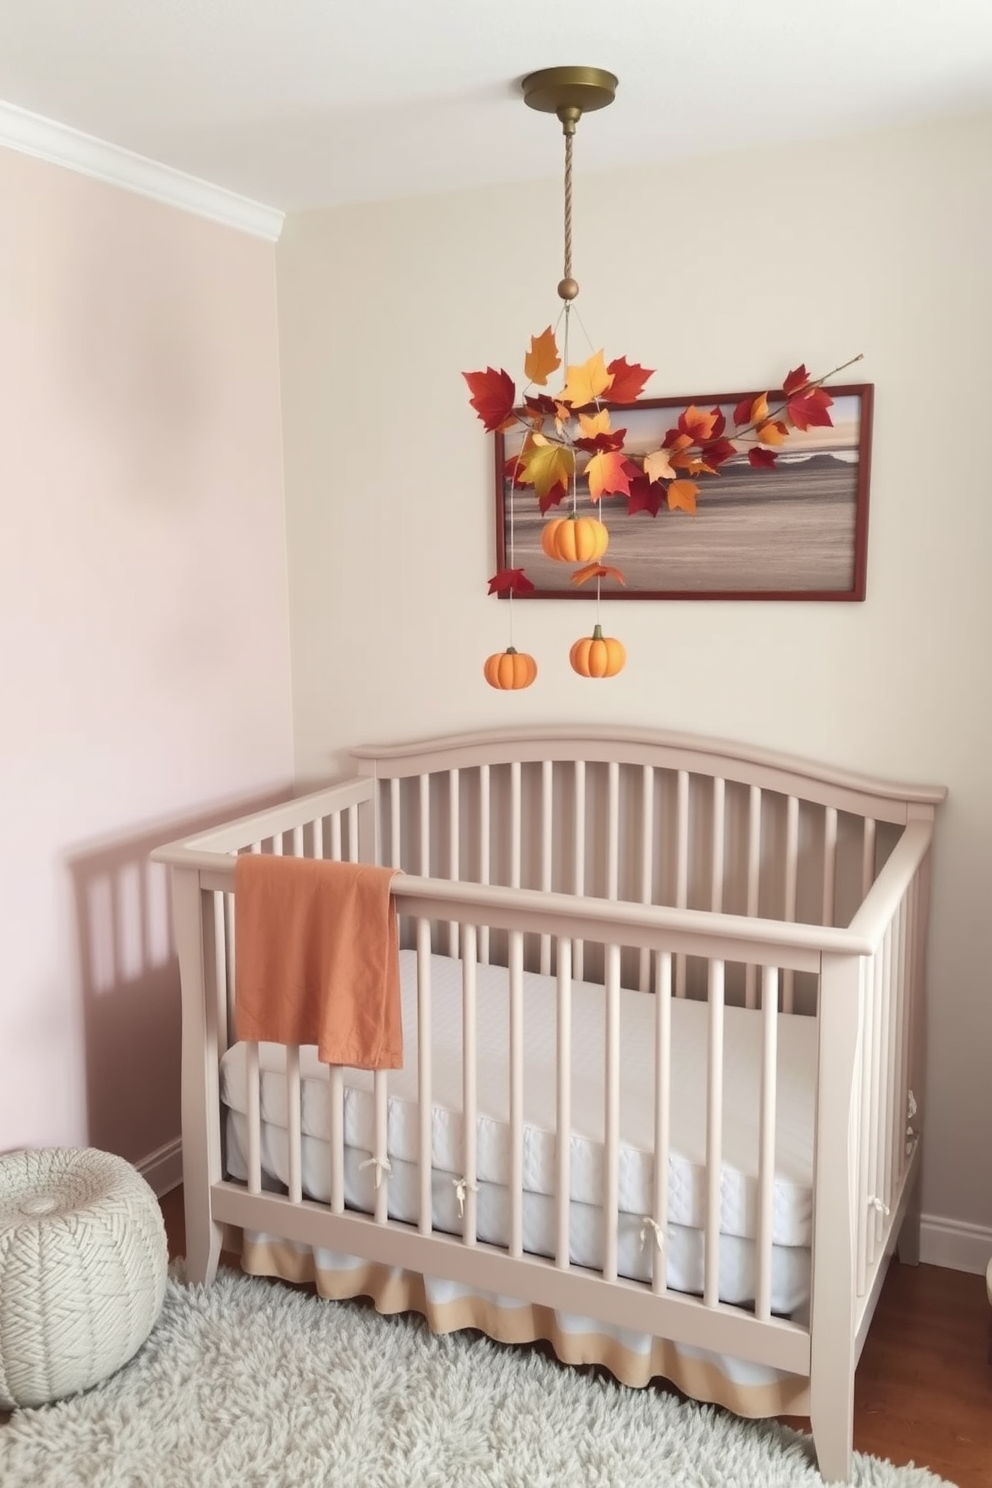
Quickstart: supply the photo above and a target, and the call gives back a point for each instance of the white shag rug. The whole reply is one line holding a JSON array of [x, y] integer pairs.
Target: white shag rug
[[252, 1384]]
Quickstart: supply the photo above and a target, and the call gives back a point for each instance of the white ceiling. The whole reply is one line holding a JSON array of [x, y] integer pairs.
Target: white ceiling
[[304, 103]]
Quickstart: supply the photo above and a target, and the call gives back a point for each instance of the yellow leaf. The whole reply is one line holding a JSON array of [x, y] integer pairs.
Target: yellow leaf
[[759, 409], [586, 382], [657, 466], [545, 465], [598, 423], [772, 431], [543, 358], [682, 496]]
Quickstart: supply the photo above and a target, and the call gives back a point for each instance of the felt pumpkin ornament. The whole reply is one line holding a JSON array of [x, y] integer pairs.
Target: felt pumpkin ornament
[[598, 655], [510, 669], [575, 539]]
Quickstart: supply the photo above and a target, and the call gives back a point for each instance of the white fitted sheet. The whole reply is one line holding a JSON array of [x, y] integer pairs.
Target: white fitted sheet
[[792, 1207]]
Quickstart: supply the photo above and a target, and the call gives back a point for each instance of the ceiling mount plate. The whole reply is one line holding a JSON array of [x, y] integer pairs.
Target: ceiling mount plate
[[569, 92]]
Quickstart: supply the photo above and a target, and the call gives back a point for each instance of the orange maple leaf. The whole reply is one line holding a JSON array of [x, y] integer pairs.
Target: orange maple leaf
[[772, 431], [698, 424], [586, 382], [597, 571], [608, 473], [682, 495], [543, 358], [593, 424]]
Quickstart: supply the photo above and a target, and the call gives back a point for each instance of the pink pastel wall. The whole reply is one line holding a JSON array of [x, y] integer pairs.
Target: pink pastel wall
[[144, 648]]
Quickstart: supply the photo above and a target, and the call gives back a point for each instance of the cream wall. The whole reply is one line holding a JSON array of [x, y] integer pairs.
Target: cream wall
[[144, 646], [721, 272]]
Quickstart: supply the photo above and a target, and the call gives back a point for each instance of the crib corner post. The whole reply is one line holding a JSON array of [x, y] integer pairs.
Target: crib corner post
[[833, 1342], [194, 930]]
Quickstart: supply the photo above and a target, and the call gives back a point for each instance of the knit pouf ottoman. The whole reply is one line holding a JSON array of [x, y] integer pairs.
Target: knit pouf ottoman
[[83, 1262]]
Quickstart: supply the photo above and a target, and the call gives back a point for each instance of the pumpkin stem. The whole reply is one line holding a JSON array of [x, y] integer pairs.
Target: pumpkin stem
[[597, 634], [511, 651]]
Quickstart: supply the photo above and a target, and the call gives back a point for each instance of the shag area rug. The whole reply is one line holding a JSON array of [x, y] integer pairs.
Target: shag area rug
[[252, 1384]]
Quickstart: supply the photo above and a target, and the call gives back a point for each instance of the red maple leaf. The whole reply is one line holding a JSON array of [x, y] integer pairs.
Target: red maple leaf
[[761, 457], [811, 409], [514, 469], [742, 413], [628, 380], [606, 441], [552, 497], [718, 451], [541, 403], [645, 496], [510, 581], [797, 379], [493, 396]]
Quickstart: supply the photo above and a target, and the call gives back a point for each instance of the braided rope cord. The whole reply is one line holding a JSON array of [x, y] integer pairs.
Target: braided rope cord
[[568, 205]]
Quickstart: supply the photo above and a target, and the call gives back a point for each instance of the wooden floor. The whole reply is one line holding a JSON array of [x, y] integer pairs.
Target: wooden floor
[[924, 1385]]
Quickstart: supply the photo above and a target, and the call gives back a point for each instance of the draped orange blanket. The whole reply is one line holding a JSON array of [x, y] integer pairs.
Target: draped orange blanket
[[316, 958]]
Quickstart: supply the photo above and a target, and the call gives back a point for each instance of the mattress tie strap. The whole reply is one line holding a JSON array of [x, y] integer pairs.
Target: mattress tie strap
[[647, 1223], [874, 1202], [381, 1165], [462, 1187], [911, 1107]]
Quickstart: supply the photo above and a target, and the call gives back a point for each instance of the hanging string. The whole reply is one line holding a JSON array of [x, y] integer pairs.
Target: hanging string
[[568, 206]]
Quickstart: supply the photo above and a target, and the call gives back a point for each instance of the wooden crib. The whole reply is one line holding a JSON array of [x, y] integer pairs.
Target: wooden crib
[[758, 893]]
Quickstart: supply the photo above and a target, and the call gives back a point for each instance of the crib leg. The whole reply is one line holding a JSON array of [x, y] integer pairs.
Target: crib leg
[[832, 1420], [204, 1237]]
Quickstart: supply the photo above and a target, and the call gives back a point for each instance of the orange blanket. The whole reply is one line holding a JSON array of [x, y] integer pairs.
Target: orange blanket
[[316, 958]]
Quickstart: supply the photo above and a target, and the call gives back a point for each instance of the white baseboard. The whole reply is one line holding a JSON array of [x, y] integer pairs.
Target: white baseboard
[[163, 1170], [954, 1244]]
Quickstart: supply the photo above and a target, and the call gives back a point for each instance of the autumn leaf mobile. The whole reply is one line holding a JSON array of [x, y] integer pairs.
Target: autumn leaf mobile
[[568, 437]]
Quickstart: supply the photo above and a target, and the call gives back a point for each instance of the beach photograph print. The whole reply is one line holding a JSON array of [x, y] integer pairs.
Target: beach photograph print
[[795, 529]]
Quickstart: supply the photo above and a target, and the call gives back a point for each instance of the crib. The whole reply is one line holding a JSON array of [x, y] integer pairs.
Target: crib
[[664, 1003]]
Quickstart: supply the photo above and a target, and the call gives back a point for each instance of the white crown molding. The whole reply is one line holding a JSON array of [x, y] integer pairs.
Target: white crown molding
[[32, 135], [955, 1244]]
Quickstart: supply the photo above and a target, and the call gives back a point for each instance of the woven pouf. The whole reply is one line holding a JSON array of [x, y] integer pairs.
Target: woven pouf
[[83, 1262]]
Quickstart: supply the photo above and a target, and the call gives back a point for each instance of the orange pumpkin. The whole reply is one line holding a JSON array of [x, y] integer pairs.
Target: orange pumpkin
[[575, 539], [510, 669], [598, 655]]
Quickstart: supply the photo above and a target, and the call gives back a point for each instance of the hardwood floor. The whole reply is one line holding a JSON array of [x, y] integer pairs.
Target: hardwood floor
[[923, 1392]]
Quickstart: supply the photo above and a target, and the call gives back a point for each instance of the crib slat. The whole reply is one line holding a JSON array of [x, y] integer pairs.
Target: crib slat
[[277, 845], [717, 848], [766, 1160], [905, 1009], [515, 801], [254, 1117], [336, 837], [454, 856], [563, 1083], [547, 820], [469, 1093], [791, 876], [753, 883], [867, 856], [864, 1125], [613, 830], [380, 1149], [425, 826], [335, 1103], [353, 834], [223, 974], [885, 1086], [484, 798], [714, 1133], [681, 867], [294, 1116], [662, 1115], [829, 863], [875, 1082], [611, 1121], [579, 881], [647, 864], [424, 1074], [297, 848], [516, 966], [318, 837], [394, 823]]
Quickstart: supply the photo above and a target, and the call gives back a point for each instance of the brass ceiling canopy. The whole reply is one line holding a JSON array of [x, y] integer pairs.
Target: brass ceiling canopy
[[569, 92]]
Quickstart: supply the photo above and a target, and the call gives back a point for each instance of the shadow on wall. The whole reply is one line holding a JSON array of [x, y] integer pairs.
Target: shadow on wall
[[129, 976]]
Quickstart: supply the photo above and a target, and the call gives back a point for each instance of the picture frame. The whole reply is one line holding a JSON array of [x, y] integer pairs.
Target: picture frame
[[796, 531]]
